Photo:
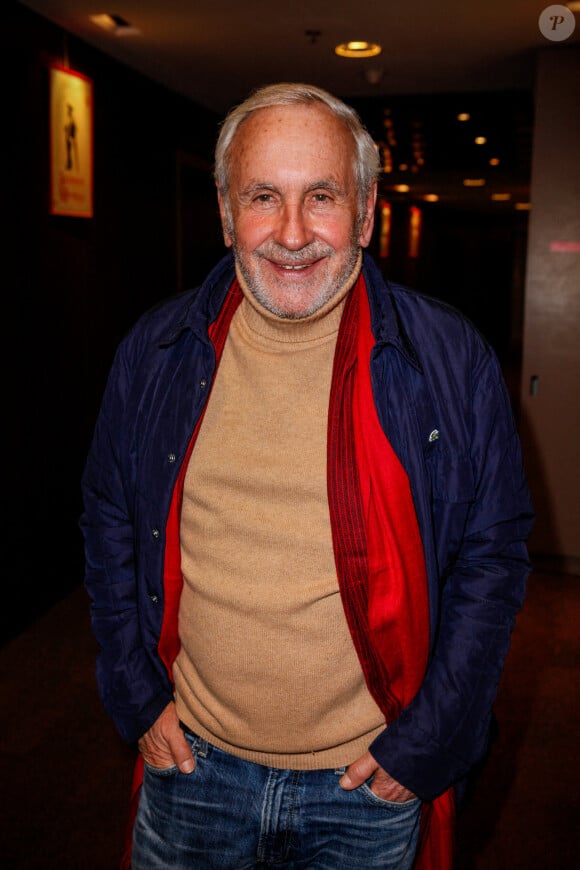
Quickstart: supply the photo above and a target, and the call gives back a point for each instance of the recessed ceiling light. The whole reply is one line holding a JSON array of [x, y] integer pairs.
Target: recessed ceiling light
[[523, 206], [402, 188], [463, 116], [114, 24], [494, 161], [473, 182], [431, 197], [501, 197], [107, 22], [480, 140], [358, 48]]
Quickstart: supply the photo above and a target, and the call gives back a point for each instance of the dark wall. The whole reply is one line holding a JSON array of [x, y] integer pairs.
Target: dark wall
[[472, 260], [73, 286]]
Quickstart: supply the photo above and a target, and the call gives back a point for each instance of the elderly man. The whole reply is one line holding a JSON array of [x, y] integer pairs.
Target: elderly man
[[305, 522]]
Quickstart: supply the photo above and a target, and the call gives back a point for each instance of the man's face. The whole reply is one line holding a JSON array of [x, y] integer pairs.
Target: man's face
[[295, 231]]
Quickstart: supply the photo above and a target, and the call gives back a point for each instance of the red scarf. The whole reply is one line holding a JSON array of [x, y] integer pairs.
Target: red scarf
[[378, 550]]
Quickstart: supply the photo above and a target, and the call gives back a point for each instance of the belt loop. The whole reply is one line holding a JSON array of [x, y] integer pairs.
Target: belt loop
[[199, 745]]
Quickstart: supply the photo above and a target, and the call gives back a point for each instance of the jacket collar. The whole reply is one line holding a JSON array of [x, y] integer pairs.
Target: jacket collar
[[200, 308], [385, 318]]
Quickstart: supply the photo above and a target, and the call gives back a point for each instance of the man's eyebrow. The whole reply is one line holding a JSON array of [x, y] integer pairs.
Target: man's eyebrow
[[257, 185], [320, 184], [327, 184]]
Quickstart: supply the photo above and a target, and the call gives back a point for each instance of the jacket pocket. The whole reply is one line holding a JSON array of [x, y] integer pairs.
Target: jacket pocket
[[452, 494], [452, 479]]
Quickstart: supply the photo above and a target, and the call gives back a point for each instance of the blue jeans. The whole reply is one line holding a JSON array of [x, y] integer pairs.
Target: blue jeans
[[231, 814]]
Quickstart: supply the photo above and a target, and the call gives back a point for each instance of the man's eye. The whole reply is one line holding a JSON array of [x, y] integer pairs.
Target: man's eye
[[263, 198], [321, 197]]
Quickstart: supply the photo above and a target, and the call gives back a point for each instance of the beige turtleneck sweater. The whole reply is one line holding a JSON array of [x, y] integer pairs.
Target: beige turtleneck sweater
[[267, 669]]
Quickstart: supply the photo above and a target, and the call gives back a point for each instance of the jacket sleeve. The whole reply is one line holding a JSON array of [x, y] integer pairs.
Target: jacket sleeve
[[132, 683], [443, 732]]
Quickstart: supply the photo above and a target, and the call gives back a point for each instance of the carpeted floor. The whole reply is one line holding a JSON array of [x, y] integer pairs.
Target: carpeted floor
[[66, 775]]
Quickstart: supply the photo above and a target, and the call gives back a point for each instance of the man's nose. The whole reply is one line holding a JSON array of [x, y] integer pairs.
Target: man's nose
[[293, 230]]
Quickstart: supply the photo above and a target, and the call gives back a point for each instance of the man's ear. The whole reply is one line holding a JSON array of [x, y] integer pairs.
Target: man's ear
[[369, 218], [224, 219]]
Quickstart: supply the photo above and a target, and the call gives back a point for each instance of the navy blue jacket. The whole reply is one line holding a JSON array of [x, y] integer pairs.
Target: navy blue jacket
[[444, 407]]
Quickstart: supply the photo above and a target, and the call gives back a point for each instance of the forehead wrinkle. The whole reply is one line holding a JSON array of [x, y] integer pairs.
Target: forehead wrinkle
[[301, 141]]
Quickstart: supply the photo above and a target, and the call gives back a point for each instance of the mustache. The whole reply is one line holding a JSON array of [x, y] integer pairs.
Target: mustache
[[280, 254]]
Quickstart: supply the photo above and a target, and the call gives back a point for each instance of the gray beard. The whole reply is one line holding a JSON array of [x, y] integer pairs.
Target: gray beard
[[316, 250]]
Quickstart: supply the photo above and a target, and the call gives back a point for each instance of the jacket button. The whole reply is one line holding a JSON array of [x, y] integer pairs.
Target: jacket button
[[155, 532], [203, 383], [154, 599], [171, 457]]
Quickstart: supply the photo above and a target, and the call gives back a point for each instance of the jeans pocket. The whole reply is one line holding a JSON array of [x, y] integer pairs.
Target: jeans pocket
[[398, 806], [161, 771]]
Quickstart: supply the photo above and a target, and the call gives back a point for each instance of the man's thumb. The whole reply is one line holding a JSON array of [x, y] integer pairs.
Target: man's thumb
[[186, 764]]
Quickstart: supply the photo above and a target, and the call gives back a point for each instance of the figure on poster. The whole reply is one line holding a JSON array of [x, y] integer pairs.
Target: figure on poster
[[70, 132]]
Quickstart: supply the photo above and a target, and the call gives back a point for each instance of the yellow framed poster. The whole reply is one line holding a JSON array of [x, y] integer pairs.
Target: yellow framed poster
[[71, 143]]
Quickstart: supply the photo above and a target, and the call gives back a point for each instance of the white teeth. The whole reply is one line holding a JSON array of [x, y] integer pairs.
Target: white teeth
[[293, 268]]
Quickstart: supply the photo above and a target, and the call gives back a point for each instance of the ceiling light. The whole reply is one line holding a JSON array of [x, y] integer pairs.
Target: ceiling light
[[105, 21], [494, 161], [402, 188], [358, 48], [463, 116], [473, 182], [501, 197], [114, 24], [431, 197], [523, 206], [480, 140]]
